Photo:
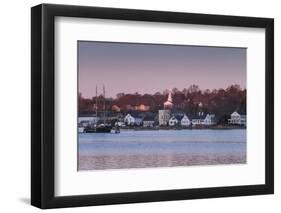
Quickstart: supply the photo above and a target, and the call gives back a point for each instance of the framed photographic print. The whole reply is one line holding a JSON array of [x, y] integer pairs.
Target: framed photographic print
[[139, 106]]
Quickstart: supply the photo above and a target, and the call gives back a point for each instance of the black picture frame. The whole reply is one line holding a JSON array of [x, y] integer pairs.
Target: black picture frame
[[43, 111]]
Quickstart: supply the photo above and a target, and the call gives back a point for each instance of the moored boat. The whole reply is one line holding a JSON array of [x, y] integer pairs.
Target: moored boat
[[102, 126], [98, 129]]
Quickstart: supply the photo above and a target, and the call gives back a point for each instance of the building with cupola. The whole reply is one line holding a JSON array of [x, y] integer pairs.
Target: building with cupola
[[169, 103], [165, 113]]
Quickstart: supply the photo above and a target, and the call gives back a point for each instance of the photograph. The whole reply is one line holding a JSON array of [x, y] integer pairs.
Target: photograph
[[146, 105], [139, 105]]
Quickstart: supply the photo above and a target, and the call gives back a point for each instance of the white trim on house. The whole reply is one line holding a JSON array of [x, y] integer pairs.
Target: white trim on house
[[173, 121], [209, 120], [237, 119], [129, 120], [185, 121]]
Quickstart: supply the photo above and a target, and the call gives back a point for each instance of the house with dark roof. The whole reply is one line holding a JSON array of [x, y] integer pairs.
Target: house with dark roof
[[237, 119], [185, 122], [197, 119], [176, 119], [133, 119], [148, 121], [209, 120], [129, 120], [173, 121], [202, 119]]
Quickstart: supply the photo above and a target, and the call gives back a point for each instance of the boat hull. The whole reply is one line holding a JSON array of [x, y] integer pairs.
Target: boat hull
[[104, 129]]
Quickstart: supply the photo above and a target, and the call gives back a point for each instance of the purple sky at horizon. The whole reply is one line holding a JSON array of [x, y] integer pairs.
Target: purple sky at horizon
[[150, 68]]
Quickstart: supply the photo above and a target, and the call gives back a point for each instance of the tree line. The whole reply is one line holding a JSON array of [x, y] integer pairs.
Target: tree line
[[221, 102]]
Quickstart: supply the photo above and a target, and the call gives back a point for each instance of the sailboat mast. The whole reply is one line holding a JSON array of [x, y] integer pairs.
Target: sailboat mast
[[103, 103], [96, 101]]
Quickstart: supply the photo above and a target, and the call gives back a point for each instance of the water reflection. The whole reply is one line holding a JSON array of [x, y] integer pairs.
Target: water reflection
[[145, 149]]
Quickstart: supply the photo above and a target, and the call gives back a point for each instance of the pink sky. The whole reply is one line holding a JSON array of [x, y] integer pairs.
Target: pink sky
[[149, 68]]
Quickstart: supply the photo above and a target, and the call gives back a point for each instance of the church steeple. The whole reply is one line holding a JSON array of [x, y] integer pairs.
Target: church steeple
[[169, 103], [170, 99]]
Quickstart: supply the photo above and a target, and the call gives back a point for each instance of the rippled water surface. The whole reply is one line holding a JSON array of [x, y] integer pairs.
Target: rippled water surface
[[163, 148]]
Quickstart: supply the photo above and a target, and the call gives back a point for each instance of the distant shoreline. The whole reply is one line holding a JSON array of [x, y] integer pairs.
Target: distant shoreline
[[181, 128]]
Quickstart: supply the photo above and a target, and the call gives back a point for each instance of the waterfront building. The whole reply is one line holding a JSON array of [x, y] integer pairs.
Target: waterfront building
[[209, 120], [198, 119], [164, 117], [185, 121], [148, 121], [129, 120], [173, 121], [201, 120], [243, 120], [88, 119], [237, 119]]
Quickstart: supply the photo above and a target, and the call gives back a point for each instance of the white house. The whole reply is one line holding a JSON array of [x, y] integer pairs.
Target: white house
[[185, 121], [209, 120], [243, 120], [164, 116], [234, 118], [129, 120], [237, 119], [173, 121]]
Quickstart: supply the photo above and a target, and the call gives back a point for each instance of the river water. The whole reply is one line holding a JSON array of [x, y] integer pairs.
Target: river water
[[162, 148]]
